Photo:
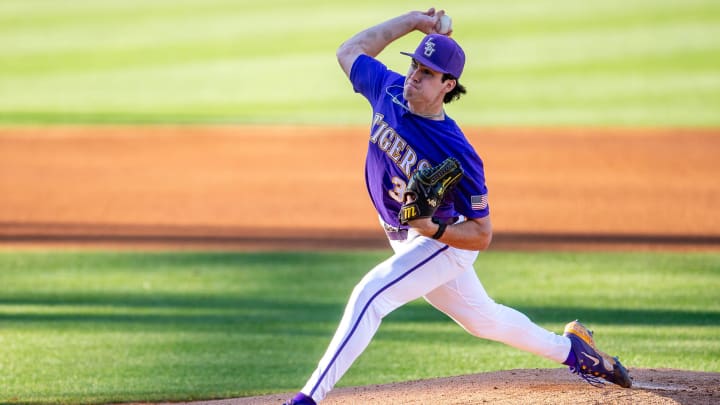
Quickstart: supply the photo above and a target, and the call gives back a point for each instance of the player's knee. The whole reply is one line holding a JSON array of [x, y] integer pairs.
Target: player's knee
[[371, 301], [485, 322]]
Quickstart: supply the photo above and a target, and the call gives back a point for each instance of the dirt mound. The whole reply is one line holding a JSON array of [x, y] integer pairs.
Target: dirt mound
[[539, 386]]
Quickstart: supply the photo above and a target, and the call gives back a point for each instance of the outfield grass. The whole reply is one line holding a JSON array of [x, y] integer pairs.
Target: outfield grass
[[113, 327], [530, 62]]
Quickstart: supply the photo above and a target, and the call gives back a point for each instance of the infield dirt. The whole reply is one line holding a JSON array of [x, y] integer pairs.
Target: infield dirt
[[296, 188], [513, 387]]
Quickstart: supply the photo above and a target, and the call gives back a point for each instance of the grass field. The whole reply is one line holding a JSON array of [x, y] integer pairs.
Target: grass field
[[530, 62], [112, 327]]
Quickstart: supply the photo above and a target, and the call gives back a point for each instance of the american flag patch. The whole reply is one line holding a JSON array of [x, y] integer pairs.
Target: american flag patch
[[479, 202]]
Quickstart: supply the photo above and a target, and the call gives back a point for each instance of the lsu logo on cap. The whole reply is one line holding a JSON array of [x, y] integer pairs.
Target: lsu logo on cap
[[429, 47]]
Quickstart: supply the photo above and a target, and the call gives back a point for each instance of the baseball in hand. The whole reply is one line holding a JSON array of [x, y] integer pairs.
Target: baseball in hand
[[445, 24]]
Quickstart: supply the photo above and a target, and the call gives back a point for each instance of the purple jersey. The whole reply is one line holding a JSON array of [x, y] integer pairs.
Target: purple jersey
[[402, 142]]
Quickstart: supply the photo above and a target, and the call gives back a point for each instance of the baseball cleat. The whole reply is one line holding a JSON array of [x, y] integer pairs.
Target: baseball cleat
[[300, 399], [592, 364]]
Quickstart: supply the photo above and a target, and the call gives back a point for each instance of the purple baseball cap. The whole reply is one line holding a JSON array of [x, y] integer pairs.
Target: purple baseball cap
[[440, 53]]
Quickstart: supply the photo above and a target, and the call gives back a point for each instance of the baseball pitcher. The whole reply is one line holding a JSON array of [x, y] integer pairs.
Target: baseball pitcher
[[427, 183]]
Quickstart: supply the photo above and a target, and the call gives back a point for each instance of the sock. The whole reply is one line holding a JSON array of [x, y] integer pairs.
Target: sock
[[571, 360], [302, 398]]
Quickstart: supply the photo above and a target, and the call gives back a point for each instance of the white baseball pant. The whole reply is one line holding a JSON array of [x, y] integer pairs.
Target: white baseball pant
[[445, 277]]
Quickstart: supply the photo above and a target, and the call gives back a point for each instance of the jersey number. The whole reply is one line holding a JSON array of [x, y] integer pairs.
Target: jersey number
[[398, 190]]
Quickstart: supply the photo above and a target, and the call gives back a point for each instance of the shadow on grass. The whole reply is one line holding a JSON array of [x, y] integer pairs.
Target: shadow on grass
[[233, 311], [159, 310], [563, 314]]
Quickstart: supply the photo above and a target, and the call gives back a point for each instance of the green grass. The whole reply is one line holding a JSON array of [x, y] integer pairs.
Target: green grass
[[114, 327], [530, 62]]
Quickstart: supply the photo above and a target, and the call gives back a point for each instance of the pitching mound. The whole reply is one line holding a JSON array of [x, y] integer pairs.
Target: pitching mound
[[539, 386]]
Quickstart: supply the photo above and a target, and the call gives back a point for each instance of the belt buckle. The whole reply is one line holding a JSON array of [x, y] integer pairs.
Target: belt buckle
[[390, 228], [394, 233]]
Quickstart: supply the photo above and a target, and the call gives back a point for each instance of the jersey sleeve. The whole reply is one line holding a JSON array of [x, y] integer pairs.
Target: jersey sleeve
[[471, 195], [370, 78]]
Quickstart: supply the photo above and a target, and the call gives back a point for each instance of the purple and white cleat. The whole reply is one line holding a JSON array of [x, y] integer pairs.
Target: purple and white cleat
[[591, 363], [300, 399]]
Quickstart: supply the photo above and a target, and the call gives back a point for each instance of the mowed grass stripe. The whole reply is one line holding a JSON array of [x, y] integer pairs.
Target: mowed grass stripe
[[253, 28], [129, 89], [529, 18], [592, 46]]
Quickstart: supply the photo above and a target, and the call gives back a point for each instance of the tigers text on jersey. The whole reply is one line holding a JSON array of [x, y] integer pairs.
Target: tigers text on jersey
[[402, 142]]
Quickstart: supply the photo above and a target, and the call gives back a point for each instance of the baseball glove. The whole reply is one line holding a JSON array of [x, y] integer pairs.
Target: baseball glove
[[427, 188]]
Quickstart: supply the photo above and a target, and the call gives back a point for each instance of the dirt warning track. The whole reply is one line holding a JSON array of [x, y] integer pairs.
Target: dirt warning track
[[303, 187]]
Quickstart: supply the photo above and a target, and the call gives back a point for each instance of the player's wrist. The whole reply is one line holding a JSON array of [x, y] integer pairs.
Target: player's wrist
[[440, 231], [423, 226], [421, 21], [428, 228]]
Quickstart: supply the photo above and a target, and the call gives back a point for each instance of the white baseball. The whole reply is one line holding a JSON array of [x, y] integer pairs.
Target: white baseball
[[445, 24]]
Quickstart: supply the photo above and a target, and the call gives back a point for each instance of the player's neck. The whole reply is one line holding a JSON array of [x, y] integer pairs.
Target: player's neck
[[437, 113]]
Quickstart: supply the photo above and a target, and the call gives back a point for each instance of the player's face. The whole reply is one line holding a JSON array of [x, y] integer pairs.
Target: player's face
[[423, 85]]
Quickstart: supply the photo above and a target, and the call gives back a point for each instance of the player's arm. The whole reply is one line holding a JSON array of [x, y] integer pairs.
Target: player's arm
[[473, 234], [374, 39]]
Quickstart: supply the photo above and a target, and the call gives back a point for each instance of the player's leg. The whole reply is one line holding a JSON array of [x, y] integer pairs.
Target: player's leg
[[465, 300], [404, 277]]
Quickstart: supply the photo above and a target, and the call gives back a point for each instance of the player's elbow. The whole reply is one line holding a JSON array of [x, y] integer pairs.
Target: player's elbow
[[484, 239], [482, 234], [346, 55], [343, 50], [477, 243]]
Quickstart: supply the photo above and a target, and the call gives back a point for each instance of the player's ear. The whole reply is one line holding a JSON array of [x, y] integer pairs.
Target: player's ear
[[450, 85]]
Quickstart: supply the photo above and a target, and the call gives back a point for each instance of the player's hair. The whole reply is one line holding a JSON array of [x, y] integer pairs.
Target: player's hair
[[455, 93]]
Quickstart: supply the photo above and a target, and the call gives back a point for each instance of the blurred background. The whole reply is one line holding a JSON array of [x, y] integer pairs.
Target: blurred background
[[533, 62]]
